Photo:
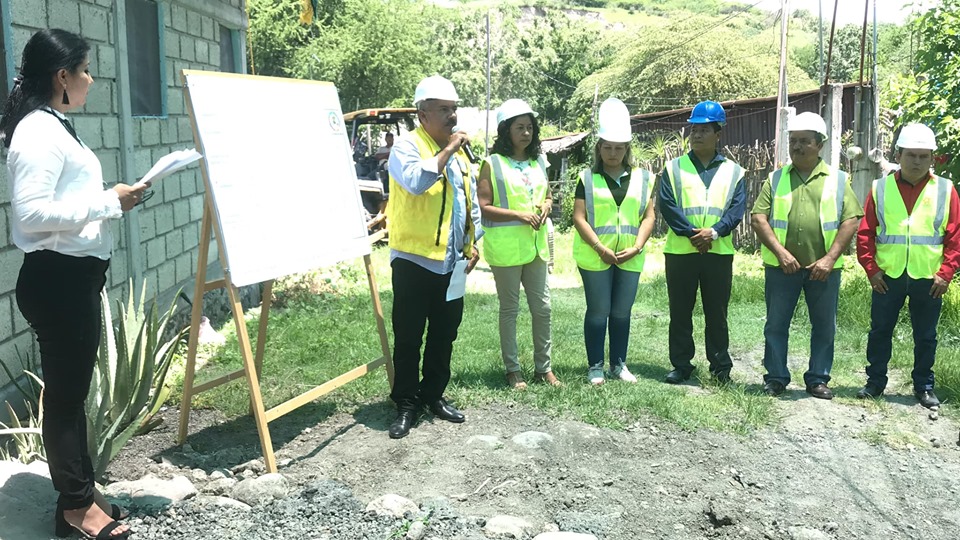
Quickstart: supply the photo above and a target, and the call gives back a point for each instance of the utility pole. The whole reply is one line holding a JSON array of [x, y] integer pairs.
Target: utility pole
[[820, 39], [486, 125], [782, 92]]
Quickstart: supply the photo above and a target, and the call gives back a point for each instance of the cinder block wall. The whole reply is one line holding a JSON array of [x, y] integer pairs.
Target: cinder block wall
[[163, 234]]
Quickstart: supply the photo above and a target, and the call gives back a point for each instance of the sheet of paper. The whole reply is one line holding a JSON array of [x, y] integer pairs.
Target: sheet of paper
[[458, 281], [170, 164]]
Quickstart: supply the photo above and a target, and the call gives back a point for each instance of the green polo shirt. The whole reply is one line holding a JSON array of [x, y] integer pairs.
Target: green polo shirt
[[804, 237]]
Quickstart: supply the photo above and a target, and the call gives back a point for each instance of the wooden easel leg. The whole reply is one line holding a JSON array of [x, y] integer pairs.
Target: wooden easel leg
[[265, 302], [196, 314], [378, 314], [253, 380]]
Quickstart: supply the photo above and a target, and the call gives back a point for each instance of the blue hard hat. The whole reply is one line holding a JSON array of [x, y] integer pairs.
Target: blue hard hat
[[706, 112]]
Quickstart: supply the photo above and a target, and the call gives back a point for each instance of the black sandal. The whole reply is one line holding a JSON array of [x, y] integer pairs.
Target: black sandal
[[64, 528]]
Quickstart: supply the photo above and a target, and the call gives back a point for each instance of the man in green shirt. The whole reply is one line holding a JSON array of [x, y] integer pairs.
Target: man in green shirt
[[805, 217]]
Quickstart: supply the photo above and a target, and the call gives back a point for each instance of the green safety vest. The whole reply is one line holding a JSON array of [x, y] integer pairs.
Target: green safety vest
[[515, 243], [701, 206], [911, 242], [617, 227], [831, 208]]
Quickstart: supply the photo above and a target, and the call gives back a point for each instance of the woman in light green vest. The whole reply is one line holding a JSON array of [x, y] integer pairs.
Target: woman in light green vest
[[515, 204], [613, 213]]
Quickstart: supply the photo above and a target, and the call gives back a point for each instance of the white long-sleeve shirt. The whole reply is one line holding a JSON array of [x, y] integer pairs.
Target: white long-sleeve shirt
[[59, 199]]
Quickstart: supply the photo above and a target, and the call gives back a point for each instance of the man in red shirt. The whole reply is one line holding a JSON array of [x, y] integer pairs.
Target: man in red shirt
[[909, 244]]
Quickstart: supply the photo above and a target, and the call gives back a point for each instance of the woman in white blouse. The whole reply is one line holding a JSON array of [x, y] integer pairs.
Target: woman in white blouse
[[60, 213]]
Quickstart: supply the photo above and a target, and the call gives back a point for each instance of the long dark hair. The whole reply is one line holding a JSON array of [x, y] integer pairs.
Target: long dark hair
[[47, 52], [504, 146]]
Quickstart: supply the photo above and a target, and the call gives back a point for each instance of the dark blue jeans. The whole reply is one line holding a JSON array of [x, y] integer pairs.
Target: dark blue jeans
[[610, 294], [782, 292], [924, 316]]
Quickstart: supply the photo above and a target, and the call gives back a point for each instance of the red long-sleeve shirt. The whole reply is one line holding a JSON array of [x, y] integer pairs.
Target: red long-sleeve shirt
[[867, 233]]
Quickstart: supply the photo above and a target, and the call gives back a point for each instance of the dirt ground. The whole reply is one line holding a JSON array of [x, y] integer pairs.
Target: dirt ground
[[816, 476]]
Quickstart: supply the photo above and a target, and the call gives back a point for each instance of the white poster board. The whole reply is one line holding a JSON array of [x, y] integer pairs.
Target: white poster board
[[279, 171]]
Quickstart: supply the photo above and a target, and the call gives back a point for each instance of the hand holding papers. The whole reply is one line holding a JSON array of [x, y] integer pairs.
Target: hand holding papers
[[170, 164]]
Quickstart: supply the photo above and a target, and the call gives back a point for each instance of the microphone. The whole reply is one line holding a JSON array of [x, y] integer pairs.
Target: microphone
[[466, 147]]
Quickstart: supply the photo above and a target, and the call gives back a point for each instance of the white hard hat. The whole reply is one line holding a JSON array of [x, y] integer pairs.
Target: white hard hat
[[807, 121], [512, 108], [917, 136], [614, 120], [435, 87]]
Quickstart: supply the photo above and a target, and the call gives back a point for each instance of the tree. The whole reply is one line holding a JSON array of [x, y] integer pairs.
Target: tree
[[933, 96]]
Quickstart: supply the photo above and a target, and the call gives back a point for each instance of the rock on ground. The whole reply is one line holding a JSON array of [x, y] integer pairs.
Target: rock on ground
[[152, 491], [263, 488], [392, 505], [510, 526]]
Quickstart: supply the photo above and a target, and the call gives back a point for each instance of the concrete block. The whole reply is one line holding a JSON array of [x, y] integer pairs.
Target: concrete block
[[118, 268], [191, 236], [196, 211], [32, 14], [174, 241], [187, 48], [193, 24], [150, 283], [142, 161], [107, 62], [5, 239], [19, 323], [164, 219], [166, 12], [156, 252], [203, 53], [215, 55], [185, 129], [93, 23], [90, 131], [6, 318], [110, 163], [178, 17], [100, 98], [111, 131], [166, 276], [171, 44], [171, 190], [188, 184], [20, 37], [20, 344], [175, 105], [10, 260], [104, 3], [168, 131], [181, 213], [185, 270], [149, 131], [206, 27], [143, 257], [148, 225], [62, 14]]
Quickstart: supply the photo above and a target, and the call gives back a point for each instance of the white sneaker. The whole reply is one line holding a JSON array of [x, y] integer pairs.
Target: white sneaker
[[595, 376], [624, 374]]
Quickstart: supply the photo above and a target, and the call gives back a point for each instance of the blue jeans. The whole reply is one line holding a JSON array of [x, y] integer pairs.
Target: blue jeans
[[610, 294], [924, 316], [782, 292]]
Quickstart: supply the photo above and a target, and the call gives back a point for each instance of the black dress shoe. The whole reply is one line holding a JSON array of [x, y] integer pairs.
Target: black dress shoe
[[869, 391], [927, 398], [444, 411], [401, 426], [773, 388], [820, 391], [676, 376]]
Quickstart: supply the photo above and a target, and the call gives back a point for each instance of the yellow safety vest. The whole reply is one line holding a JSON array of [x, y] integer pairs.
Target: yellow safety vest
[[617, 227], [420, 224], [515, 243], [702, 207], [911, 242], [831, 208]]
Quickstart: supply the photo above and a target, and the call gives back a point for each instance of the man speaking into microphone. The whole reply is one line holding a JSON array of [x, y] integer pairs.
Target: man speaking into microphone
[[434, 224]]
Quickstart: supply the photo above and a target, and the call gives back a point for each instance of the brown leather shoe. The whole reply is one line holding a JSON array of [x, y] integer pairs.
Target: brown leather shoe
[[820, 391], [548, 378], [515, 380]]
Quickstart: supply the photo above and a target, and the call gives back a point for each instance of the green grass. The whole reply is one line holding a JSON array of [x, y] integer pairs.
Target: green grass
[[326, 327]]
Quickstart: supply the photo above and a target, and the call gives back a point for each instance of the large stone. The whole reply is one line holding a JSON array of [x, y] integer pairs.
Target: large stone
[[487, 441], [220, 502], [564, 536], [509, 526], [392, 505], [219, 486], [533, 439], [152, 491], [261, 489], [416, 531]]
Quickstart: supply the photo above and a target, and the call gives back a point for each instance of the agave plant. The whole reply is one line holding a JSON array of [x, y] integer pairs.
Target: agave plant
[[26, 435], [128, 389]]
